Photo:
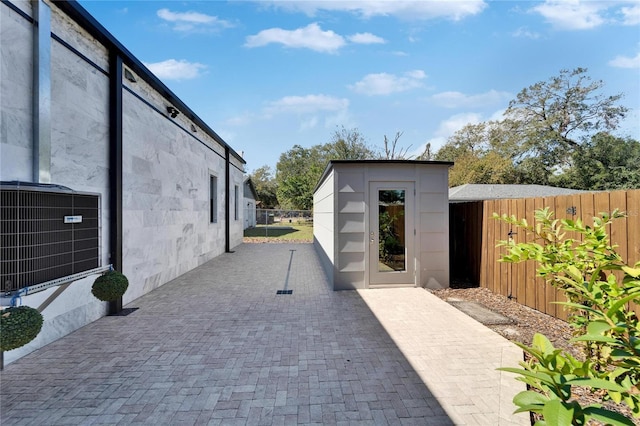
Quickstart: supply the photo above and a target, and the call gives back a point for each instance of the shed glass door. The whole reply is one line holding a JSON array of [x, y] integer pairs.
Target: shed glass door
[[391, 237]]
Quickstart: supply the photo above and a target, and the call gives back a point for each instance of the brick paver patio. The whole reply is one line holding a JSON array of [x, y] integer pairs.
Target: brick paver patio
[[219, 346]]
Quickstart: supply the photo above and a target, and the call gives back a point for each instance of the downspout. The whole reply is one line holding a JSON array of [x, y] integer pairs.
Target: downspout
[[41, 169], [41, 99], [115, 168], [227, 209]]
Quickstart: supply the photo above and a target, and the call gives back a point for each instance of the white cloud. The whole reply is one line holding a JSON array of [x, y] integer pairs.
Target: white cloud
[[310, 37], [524, 32], [192, 21], [307, 104], [446, 129], [411, 10], [585, 14], [366, 38], [457, 99], [456, 122], [176, 70], [243, 119], [310, 111], [572, 14], [631, 15], [385, 84], [625, 62]]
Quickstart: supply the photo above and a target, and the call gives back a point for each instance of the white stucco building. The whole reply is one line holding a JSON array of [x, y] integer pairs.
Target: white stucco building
[[83, 119], [250, 203], [381, 223]]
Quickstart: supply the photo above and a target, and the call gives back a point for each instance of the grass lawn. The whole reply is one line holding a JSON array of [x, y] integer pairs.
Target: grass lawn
[[297, 231]]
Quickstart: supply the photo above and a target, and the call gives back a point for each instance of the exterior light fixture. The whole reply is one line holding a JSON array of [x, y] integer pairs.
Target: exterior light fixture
[[172, 111], [129, 76]]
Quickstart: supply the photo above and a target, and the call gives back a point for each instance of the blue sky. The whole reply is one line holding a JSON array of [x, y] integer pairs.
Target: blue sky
[[267, 75]]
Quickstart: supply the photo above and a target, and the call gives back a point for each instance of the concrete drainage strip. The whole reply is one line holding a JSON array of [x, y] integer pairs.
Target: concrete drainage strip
[[479, 312]]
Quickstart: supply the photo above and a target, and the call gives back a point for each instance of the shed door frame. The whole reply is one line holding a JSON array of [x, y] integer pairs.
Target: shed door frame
[[379, 275]]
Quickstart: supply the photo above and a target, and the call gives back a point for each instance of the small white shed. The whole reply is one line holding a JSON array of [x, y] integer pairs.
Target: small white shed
[[383, 223], [250, 203]]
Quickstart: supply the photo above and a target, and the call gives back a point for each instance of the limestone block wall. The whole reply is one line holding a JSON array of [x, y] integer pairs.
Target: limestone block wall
[[167, 163], [15, 103], [79, 144]]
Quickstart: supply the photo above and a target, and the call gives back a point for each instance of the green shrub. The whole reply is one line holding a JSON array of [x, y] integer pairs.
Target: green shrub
[[598, 302], [110, 286], [18, 326]]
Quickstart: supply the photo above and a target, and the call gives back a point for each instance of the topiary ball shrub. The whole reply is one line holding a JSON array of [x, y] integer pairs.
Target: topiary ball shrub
[[110, 286], [18, 326]]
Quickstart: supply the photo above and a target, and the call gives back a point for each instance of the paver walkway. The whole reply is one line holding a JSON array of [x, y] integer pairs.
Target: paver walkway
[[219, 346]]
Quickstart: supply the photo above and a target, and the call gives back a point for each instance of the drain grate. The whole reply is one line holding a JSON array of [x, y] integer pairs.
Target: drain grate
[[284, 292]]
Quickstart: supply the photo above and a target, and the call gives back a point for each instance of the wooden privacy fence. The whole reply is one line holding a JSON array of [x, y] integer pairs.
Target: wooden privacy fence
[[519, 280]]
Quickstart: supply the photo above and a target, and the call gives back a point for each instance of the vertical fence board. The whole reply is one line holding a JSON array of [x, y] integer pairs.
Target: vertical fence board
[[493, 267], [540, 287], [520, 269], [633, 226], [487, 243], [566, 209], [587, 208], [529, 274], [505, 268], [633, 230], [601, 205], [619, 234], [551, 292]]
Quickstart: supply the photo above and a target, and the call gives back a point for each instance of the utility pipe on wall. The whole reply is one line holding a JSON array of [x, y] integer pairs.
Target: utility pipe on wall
[[41, 169], [227, 219]]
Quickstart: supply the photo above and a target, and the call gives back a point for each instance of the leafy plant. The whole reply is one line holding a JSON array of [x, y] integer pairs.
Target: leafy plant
[[19, 326], [389, 242], [110, 286], [588, 271]]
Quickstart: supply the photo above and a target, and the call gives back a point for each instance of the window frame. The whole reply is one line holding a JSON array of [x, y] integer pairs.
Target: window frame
[[213, 198], [237, 203]]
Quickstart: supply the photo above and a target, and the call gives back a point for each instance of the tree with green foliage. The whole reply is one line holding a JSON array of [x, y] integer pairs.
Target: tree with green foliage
[[300, 169], [598, 285], [482, 153], [348, 144], [265, 185], [298, 172], [555, 118], [547, 131], [605, 162]]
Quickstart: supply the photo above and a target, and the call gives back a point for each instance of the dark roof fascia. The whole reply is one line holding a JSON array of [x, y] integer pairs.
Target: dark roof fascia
[[441, 163], [331, 163], [81, 16]]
